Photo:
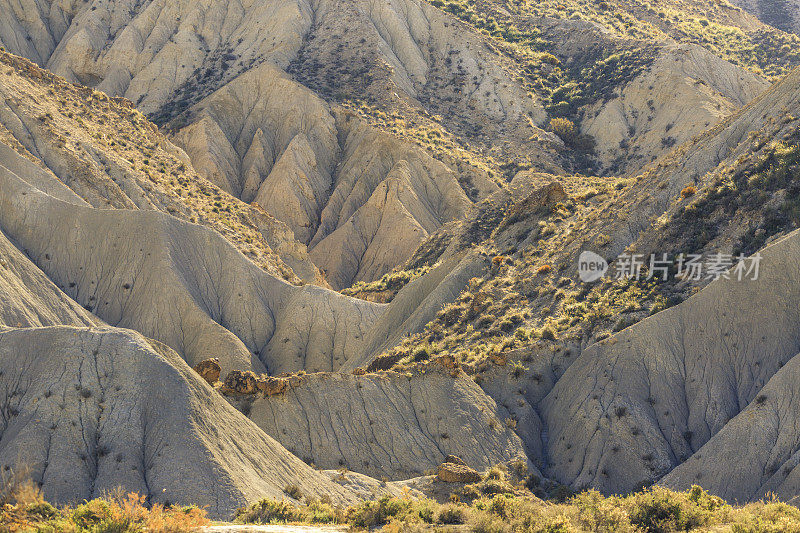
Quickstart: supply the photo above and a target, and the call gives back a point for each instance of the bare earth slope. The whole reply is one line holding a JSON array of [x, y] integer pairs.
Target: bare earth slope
[[761, 440], [363, 201], [180, 283], [111, 157], [783, 14], [685, 91], [644, 400], [389, 424], [90, 410], [315, 144]]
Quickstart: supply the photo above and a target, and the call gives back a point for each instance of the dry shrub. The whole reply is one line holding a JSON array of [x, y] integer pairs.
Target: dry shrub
[[175, 520], [564, 128], [688, 192], [118, 512], [127, 513], [16, 488]]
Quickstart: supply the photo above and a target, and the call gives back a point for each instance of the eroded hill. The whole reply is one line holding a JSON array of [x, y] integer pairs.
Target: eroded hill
[[432, 158]]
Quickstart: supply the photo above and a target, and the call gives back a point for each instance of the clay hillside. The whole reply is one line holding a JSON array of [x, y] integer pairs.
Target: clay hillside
[[318, 261]]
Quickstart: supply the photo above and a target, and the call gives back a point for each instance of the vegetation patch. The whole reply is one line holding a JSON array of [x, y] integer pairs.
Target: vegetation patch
[[653, 510], [23, 509]]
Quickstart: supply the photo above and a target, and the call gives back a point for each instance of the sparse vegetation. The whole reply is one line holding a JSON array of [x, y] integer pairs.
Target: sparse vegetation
[[654, 510], [24, 509], [86, 121], [389, 283]]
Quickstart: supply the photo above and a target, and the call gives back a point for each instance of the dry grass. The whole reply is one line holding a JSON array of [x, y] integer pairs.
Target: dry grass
[[24, 509]]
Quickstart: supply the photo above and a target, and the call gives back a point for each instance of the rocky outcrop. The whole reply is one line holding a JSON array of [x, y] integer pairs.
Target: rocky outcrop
[[243, 383], [450, 472], [209, 370], [89, 410], [240, 382], [103, 220]]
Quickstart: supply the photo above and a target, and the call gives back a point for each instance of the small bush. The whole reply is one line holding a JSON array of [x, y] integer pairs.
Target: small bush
[[126, 513], [518, 369], [321, 513], [376, 513], [564, 128], [452, 514], [659, 510], [421, 353], [548, 333], [268, 511], [688, 192], [544, 269], [653, 510], [294, 492]]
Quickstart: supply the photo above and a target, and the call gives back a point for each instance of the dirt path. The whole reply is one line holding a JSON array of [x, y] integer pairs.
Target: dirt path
[[271, 529]]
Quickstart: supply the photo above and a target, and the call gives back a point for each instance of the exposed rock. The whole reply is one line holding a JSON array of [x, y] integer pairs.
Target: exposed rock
[[240, 382], [454, 459], [450, 472], [492, 213], [209, 370], [273, 386]]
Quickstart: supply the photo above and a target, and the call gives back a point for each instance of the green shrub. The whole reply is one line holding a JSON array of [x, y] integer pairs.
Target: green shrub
[[659, 510], [321, 513], [452, 514], [378, 512], [268, 511]]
